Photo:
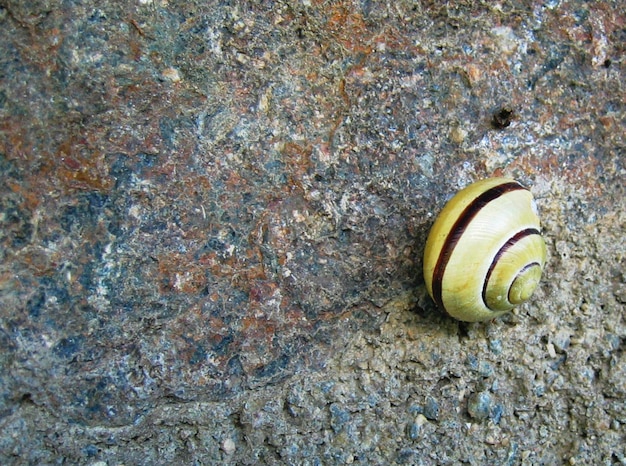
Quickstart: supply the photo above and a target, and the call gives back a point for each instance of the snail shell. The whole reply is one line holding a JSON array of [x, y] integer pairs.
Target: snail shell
[[484, 254]]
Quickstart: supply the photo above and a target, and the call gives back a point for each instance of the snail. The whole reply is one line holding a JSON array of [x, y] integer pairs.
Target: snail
[[485, 254]]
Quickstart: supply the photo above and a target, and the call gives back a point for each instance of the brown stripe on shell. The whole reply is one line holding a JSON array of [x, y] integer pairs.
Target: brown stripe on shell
[[458, 229], [511, 241], [532, 264]]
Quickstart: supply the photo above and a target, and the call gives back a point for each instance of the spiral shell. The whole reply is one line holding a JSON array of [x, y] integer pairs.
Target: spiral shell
[[484, 254]]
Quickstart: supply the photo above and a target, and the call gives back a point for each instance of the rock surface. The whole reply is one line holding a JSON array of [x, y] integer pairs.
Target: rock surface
[[212, 218]]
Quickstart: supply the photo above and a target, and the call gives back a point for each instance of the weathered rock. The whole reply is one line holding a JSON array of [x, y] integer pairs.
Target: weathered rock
[[212, 218]]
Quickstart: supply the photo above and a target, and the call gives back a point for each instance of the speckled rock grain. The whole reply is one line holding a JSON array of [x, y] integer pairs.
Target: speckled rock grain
[[212, 217]]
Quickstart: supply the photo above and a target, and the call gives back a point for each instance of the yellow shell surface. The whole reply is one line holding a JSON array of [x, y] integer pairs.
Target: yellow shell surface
[[484, 253]]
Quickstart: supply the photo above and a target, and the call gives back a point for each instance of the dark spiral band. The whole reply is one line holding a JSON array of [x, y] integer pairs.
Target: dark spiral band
[[459, 228], [505, 247], [524, 269]]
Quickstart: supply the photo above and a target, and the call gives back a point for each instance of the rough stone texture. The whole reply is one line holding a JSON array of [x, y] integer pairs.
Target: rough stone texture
[[212, 216]]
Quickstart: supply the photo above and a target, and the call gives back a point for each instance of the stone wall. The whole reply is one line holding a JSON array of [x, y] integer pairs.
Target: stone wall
[[213, 214]]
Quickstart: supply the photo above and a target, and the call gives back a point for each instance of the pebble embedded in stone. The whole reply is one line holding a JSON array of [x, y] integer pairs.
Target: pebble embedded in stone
[[478, 405]]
